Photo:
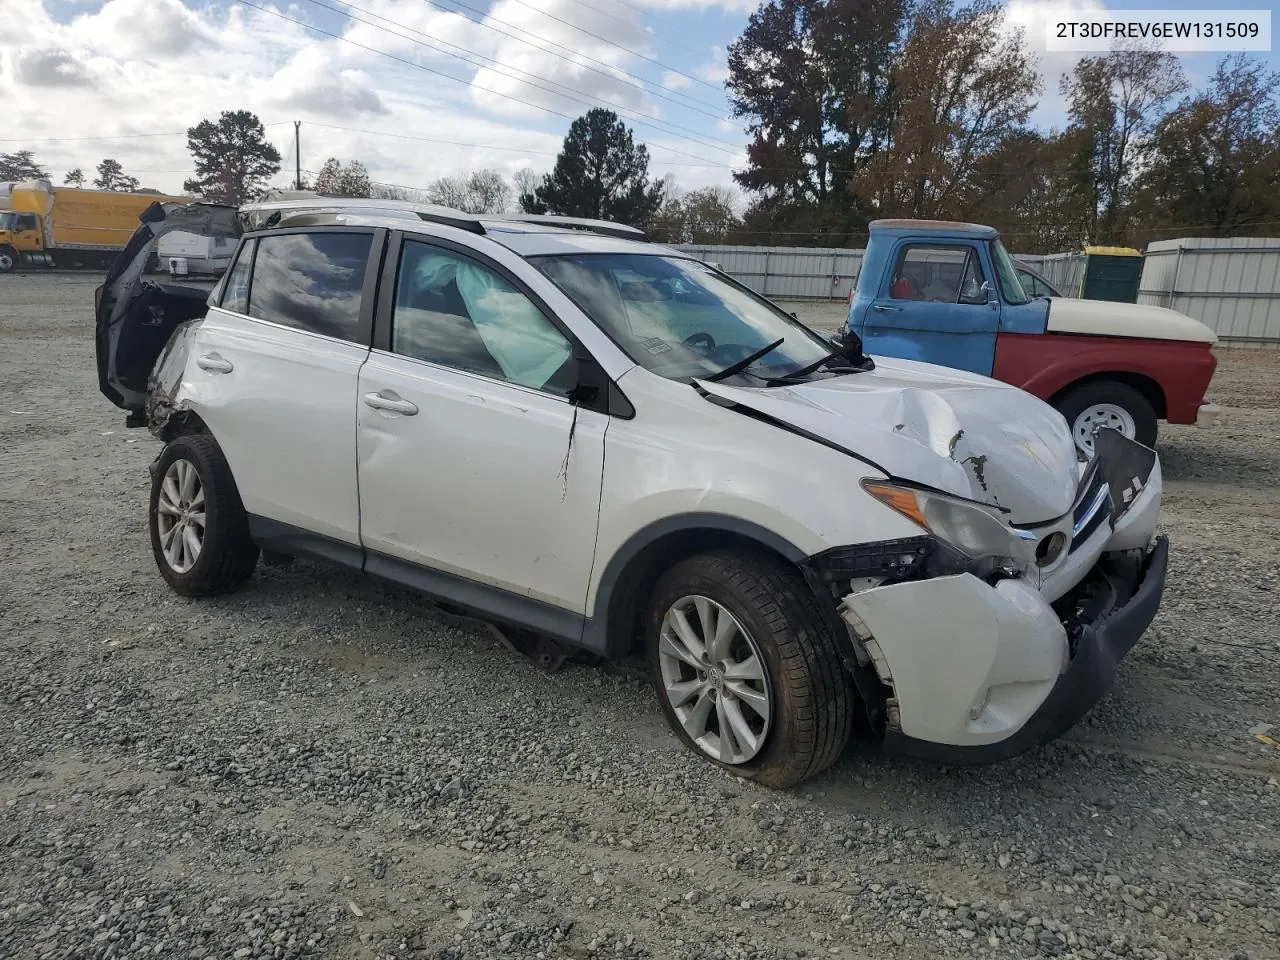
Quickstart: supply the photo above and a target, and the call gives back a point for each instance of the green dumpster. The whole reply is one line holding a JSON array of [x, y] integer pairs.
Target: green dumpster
[[1111, 273]]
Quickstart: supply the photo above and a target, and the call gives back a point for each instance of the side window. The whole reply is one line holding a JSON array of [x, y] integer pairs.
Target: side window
[[452, 311], [27, 221], [235, 292], [939, 273], [311, 281]]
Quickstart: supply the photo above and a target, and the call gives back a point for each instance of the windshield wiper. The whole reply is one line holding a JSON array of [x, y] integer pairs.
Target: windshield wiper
[[848, 351], [805, 371], [745, 362]]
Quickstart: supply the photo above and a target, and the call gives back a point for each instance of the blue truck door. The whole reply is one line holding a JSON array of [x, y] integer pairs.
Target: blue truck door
[[936, 302]]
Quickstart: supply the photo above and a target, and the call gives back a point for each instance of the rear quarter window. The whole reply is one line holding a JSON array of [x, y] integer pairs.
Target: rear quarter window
[[311, 281]]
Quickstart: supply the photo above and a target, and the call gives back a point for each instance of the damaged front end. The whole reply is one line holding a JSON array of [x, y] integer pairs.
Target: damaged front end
[[981, 639]]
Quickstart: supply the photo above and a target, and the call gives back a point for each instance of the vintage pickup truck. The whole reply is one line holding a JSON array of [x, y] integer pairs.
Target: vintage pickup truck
[[949, 293]]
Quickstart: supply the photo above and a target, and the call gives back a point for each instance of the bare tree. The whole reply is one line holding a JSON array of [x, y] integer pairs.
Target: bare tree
[[1116, 103], [337, 179], [490, 193], [484, 191], [449, 192]]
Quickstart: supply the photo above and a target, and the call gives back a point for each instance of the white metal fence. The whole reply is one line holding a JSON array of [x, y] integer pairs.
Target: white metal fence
[[1063, 270], [829, 273], [787, 273], [1231, 285]]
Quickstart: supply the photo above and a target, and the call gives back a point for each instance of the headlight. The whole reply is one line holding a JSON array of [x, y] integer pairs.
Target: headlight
[[976, 530]]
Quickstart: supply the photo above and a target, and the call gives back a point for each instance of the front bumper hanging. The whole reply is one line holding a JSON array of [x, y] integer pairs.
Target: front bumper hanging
[[1098, 649]]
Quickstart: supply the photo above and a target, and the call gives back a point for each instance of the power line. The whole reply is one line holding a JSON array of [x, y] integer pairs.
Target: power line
[[537, 83], [714, 114], [494, 146], [121, 136], [640, 10], [619, 46], [575, 56], [439, 73]]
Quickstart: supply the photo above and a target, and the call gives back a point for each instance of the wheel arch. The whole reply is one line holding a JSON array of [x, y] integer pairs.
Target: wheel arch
[[629, 576], [183, 423], [1149, 387]]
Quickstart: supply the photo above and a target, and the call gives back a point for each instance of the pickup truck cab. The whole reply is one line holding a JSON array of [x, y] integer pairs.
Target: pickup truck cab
[[949, 293]]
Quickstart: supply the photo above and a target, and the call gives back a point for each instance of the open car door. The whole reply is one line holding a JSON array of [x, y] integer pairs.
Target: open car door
[[135, 316]]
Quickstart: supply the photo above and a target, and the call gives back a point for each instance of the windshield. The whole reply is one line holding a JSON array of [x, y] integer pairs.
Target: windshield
[[6, 221], [679, 318], [1007, 275]]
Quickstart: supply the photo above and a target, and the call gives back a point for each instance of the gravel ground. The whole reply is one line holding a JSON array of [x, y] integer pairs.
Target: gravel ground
[[318, 766]]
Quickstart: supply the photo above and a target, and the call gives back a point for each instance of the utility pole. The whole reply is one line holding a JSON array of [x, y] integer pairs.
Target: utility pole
[[297, 154]]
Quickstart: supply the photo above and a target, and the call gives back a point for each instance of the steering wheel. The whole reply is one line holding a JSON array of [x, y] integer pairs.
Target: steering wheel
[[701, 338]]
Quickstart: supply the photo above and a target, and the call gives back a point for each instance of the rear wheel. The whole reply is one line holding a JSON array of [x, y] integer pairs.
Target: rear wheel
[[199, 530], [1107, 403], [8, 259], [746, 669]]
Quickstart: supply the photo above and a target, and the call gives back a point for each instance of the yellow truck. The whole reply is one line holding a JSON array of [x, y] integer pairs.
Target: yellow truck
[[44, 225]]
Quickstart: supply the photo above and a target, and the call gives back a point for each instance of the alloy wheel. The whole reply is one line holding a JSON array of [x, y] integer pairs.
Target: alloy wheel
[[715, 679], [180, 516]]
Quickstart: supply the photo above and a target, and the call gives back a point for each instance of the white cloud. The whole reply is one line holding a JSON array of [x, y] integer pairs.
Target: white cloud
[[125, 68], [1031, 16], [728, 6], [675, 81], [312, 81], [715, 70], [49, 68]]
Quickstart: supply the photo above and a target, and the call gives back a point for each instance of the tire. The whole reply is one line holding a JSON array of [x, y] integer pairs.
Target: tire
[[8, 259], [810, 697], [226, 555], [1098, 395]]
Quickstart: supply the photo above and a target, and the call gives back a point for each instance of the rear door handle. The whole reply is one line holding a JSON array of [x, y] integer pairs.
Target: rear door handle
[[885, 308], [392, 403], [214, 363]]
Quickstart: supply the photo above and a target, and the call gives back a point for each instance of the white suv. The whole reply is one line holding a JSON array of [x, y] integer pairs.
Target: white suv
[[616, 448]]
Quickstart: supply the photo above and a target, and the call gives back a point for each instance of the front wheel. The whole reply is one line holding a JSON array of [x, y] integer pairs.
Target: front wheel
[[747, 669], [199, 530], [1107, 403], [8, 259]]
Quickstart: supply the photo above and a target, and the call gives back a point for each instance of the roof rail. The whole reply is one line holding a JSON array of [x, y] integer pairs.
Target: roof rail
[[303, 210], [605, 227]]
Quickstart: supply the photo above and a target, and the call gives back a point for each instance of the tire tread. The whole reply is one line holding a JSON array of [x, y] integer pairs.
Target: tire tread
[[818, 690]]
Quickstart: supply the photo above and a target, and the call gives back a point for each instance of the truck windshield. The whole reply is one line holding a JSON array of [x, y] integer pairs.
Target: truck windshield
[[6, 221], [681, 319], [1006, 273]]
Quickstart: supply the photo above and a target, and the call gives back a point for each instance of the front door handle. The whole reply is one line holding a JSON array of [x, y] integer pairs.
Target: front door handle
[[391, 403], [885, 308], [214, 363]]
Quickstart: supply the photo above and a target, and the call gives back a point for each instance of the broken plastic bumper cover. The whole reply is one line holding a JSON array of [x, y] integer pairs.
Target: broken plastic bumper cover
[[1101, 644]]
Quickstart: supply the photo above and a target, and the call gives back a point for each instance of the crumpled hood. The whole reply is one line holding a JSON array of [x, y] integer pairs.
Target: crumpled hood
[[1110, 319], [963, 434]]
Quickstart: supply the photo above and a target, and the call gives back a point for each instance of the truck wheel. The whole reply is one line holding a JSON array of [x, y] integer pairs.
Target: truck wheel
[[199, 530], [1107, 403], [746, 668], [8, 259]]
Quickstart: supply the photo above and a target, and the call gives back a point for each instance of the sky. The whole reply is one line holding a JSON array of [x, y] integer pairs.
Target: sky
[[415, 89]]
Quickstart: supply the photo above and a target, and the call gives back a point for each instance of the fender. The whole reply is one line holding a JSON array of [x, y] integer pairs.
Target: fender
[[618, 583], [1045, 364]]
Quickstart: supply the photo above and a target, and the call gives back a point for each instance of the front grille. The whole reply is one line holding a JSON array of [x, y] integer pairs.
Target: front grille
[[1091, 510]]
